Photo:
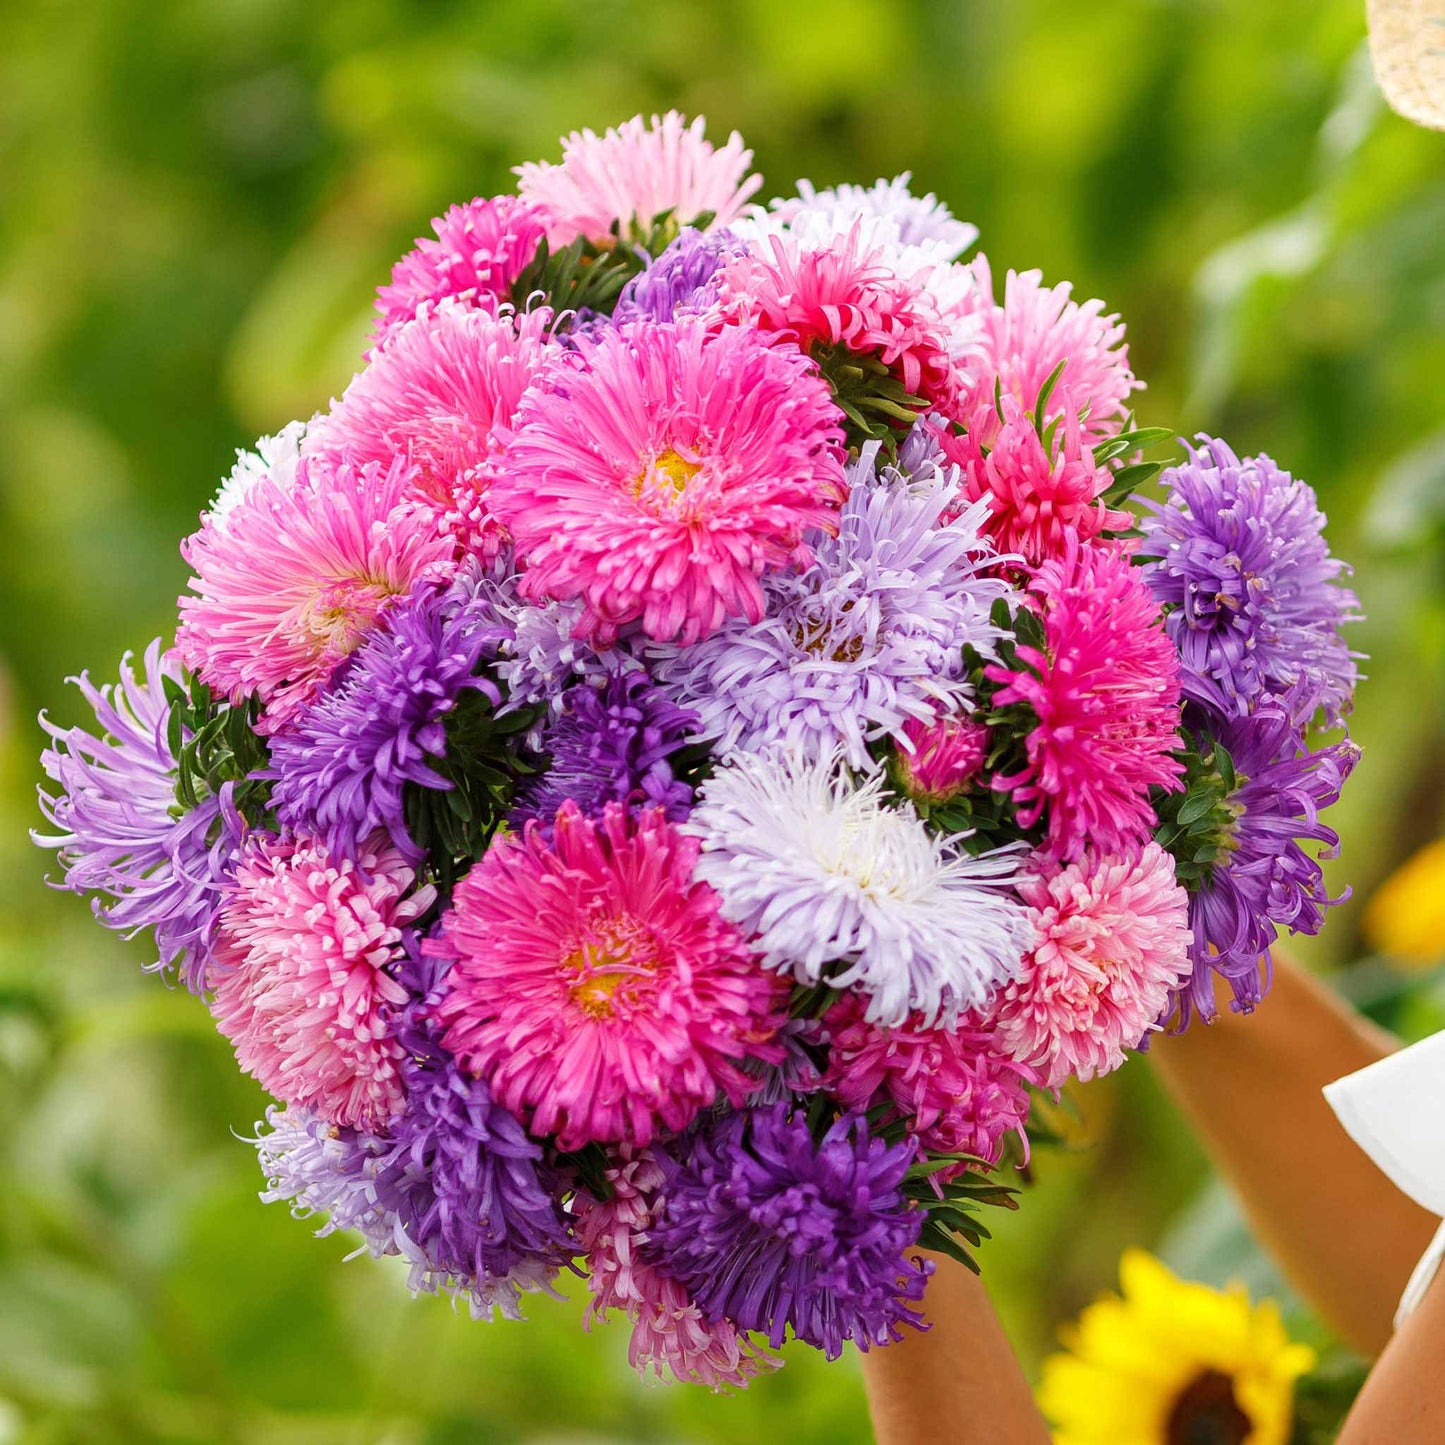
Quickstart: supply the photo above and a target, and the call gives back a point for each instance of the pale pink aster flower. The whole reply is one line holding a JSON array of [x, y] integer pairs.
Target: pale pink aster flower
[[441, 397], [302, 978], [481, 248], [1037, 498], [1113, 945], [669, 1333], [634, 173], [843, 294], [1105, 689], [598, 991], [298, 575], [938, 760], [658, 470], [1016, 346], [955, 1088]]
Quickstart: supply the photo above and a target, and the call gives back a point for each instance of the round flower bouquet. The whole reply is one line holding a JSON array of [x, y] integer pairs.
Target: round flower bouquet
[[659, 775]]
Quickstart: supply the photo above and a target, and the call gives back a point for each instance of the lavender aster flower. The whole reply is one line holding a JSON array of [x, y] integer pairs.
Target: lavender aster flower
[[833, 881], [677, 281], [341, 772], [869, 637], [544, 658], [768, 1228], [912, 221], [335, 1174], [326, 1171], [612, 744], [1264, 879], [1249, 587], [123, 835]]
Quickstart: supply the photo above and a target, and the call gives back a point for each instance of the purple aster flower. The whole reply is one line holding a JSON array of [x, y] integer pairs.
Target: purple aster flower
[[677, 281], [771, 1229], [867, 638], [474, 1196], [1264, 879], [1250, 590], [341, 772], [122, 834], [611, 744], [456, 1186]]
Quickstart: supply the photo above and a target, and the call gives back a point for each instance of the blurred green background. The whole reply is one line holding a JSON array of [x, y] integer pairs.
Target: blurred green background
[[196, 200]]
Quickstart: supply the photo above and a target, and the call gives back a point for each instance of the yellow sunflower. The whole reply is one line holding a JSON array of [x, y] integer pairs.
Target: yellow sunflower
[[1406, 917], [1173, 1363]]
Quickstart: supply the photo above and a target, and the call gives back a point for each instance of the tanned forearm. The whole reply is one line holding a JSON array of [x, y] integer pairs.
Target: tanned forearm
[[1340, 1230], [959, 1379]]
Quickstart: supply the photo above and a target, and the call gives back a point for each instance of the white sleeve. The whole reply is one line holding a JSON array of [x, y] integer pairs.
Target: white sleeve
[[1395, 1111]]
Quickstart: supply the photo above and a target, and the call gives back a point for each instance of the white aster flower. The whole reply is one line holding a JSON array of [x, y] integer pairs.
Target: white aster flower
[[275, 457], [834, 881]]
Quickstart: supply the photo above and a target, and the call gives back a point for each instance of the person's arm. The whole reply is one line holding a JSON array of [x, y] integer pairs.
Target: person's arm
[[959, 1379], [1403, 1400], [1341, 1231]]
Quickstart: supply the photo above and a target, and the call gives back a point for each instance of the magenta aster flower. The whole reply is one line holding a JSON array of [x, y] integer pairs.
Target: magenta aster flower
[[938, 760], [296, 577], [667, 511], [1105, 691], [1037, 498], [1251, 593], [955, 1088], [303, 973], [1014, 349], [670, 1335], [1113, 945], [120, 832], [841, 294], [441, 397], [635, 173], [598, 990], [481, 248], [774, 1230]]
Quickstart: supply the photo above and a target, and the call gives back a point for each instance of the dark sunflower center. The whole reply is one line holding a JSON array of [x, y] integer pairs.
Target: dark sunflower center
[[1206, 1413]]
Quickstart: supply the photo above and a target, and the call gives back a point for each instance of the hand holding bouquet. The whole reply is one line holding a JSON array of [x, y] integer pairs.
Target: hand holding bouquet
[[657, 775]]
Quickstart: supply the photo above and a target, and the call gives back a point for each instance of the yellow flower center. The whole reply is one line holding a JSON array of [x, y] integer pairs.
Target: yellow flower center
[[663, 482], [618, 954]]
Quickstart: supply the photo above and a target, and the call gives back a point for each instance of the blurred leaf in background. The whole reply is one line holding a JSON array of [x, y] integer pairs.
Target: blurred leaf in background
[[197, 198]]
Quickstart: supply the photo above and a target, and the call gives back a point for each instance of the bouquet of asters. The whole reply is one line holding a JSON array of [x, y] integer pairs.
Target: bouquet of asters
[[658, 777]]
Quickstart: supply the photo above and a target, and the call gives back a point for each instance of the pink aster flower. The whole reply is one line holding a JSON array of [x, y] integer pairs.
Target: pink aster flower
[[598, 991], [840, 293], [302, 975], [957, 1090], [1037, 498], [441, 397], [295, 579], [481, 248], [1016, 346], [633, 174], [669, 1332], [938, 760], [1105, 690], [1113, 946], [657, 471]]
